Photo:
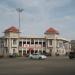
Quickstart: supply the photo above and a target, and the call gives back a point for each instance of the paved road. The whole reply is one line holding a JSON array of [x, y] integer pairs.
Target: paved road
[[25, 66]]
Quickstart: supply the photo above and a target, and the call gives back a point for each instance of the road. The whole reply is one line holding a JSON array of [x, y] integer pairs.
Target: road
[[25, 66]]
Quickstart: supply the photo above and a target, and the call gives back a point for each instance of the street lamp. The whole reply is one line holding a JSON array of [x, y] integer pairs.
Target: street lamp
[[19, 10]]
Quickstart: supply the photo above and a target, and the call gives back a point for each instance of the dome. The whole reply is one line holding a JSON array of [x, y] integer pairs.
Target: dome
[[51, 31], [12, 29]]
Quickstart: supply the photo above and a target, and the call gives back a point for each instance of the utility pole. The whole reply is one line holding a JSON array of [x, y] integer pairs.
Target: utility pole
[[19, 10]]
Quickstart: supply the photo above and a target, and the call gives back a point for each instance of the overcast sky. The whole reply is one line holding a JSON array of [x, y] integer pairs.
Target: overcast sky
[[39, 15]]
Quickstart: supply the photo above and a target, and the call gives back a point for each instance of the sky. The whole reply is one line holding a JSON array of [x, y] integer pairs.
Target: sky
[[38, 16]]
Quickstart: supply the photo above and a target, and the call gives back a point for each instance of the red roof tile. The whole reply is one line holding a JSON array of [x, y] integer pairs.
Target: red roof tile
[[51, 31], [12, 29]]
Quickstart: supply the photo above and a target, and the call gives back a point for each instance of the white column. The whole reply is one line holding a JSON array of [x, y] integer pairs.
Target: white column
[[46, 44], [38, 50], [42, 46], [7, 43], [10, 49], [22, 42], [12, 43], [26, 44], [22, 51], [30, 42], [54, 47], [22, 47], [34, 45], [7, 47], [38, 44]]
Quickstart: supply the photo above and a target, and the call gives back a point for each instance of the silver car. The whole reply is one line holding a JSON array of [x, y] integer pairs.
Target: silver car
[[37, 56]]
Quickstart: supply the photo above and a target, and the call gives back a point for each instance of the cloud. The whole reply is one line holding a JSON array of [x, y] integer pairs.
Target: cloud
[[38, 15]]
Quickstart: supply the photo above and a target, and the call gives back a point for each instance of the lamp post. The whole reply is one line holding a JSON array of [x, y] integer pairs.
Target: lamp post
[[19, 10]]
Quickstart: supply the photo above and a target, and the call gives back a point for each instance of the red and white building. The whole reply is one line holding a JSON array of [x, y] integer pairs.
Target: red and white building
[[50, 42]]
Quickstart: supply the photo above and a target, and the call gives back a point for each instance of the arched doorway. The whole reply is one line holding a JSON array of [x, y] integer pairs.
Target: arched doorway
[[31, 51]]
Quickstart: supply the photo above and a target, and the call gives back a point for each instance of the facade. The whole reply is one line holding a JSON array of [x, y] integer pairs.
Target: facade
[[50, 43], [72, 45]]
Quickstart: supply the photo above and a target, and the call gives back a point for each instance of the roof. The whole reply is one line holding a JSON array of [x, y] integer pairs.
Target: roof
[[33, 36], [12, 29], [51, 31]]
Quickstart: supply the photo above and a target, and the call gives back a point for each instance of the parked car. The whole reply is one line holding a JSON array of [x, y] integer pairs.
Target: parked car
[[47, 54], [71, 55], [37, 56], [13, 55]]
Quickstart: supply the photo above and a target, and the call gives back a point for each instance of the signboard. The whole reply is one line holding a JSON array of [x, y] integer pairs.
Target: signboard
[[26, 46], [32, 46]]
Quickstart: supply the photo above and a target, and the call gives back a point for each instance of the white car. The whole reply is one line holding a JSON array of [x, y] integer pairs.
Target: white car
[[37, 56]]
